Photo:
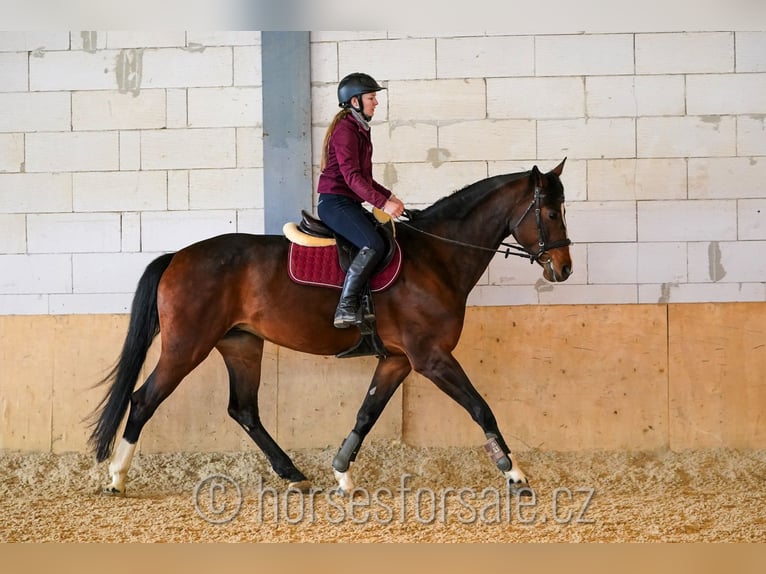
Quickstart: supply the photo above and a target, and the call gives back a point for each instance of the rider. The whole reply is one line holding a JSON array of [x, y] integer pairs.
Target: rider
[[346, 182]]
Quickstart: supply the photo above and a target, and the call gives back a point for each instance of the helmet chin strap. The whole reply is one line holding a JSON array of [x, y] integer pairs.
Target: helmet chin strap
[[358, 109]]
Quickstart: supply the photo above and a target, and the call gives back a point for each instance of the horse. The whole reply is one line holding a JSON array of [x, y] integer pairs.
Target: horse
[[232, 292]]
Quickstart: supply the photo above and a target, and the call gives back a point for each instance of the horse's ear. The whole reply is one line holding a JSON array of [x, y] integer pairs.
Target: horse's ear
[[537, 177], [559, 168]]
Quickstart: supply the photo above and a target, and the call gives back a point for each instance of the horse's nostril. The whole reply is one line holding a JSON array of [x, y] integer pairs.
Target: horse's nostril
[[566, 271]]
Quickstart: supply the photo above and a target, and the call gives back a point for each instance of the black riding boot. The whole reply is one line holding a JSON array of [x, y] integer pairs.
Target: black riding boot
[[359, 272]]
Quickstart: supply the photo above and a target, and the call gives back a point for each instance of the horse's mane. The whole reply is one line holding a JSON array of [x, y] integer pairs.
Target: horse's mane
[[461, 202]]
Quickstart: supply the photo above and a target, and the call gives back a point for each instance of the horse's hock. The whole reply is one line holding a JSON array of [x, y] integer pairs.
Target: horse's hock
[[559, 378]]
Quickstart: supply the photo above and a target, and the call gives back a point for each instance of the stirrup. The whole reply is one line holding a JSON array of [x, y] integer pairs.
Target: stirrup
[[368, 344]]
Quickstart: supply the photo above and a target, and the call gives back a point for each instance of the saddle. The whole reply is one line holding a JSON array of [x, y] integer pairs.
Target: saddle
[[320, 257], [312, 232]]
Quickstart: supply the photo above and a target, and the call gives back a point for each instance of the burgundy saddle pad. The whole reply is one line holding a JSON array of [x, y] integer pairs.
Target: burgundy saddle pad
[[319, 266]]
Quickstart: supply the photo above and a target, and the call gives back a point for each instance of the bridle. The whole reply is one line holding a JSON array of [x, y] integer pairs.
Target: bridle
[[542, 241], [543, 245]]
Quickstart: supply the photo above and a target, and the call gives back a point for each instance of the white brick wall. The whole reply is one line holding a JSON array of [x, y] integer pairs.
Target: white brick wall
[[751, 135], [12, 233], [485, 57], [398, 143], [107, 110], [685, 53], [187, 149], [71, 151], [19, 41], [107, 273], [239, 185], [584, 55], [663, 262], [613, 263], [170, 231], [11, 152], [35, 274], [727, 262], [119, 191], [621, 96], [14, 72], [130, 150], [686, 136], [73, 232], [618, 179], [116, 146], [602, 221], [427, 183], [535, 98], [35, 192], [729, 177], [216, 107], [138, 39], [713, 220], [72, 70], [419, 99], [587, 138], [34, 112], [408, 59], [735, 94], [180, 68], [751, 219], [750, 48], [488, 140]]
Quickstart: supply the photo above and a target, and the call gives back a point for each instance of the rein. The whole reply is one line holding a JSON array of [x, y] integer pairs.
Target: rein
[[542, 244]]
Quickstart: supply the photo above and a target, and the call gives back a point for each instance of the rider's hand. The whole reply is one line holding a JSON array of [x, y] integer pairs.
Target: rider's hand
[[394, 207]]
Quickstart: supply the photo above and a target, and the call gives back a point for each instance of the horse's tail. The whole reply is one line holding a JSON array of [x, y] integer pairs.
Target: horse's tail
[[142, 329]]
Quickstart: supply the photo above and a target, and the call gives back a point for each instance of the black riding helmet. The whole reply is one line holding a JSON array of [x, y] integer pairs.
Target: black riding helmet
[[356, 84]]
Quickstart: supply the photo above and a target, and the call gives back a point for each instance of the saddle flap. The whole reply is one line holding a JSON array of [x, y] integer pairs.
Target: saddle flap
[[321, 267]]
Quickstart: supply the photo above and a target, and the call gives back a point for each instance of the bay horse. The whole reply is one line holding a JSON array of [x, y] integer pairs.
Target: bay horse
[[233, 292]]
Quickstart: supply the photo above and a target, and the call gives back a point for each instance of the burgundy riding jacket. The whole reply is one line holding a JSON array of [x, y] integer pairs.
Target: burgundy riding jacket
[[349, 165]]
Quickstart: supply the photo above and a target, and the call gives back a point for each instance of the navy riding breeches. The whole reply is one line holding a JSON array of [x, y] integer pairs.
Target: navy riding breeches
[[350, 219]]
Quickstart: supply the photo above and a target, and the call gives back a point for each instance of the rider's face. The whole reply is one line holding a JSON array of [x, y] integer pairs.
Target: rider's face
[[369, 103]]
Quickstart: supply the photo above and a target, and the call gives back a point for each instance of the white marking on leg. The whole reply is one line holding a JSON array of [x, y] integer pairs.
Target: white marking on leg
[[515, 475], [118, 468], [345, 482]]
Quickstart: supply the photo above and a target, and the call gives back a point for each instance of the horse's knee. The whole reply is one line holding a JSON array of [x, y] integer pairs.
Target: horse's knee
[[247, 418]]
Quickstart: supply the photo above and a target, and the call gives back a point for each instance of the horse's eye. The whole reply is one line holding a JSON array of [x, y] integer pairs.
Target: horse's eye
[[554, 215]]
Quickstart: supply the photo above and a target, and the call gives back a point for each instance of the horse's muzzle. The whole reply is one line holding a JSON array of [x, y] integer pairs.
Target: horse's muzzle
[[553, 271]]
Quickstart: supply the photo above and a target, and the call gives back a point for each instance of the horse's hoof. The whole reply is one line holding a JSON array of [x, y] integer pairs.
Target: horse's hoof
[[112, 491], [303, 486], [345, 482]]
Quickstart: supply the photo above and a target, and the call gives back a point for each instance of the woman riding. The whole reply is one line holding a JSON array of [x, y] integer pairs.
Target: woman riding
[[346, 182]]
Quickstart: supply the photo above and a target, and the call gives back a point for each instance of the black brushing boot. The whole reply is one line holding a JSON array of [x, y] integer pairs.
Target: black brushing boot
[[359, 272]]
